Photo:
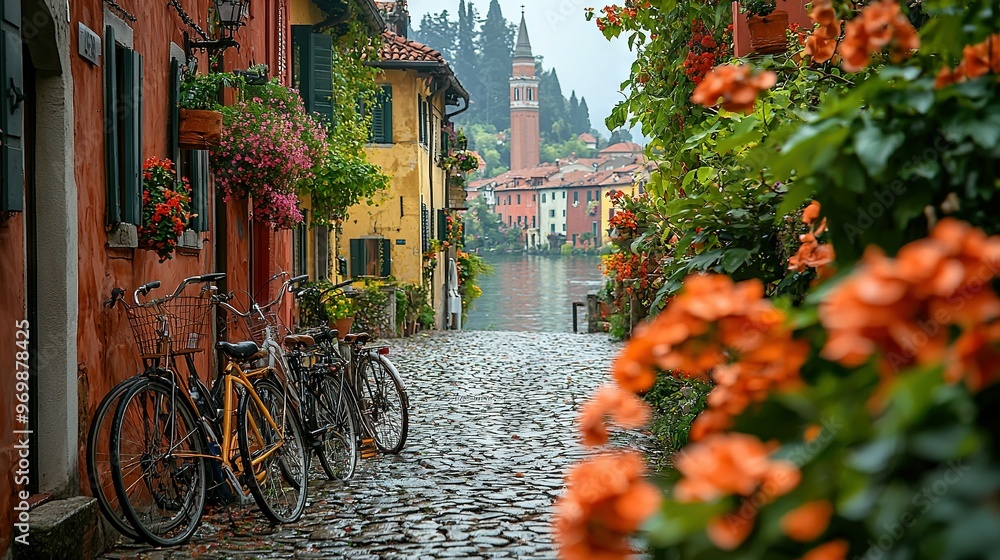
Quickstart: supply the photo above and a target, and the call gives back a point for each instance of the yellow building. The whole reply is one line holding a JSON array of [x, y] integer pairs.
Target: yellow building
[[313, 25], [390, 236]]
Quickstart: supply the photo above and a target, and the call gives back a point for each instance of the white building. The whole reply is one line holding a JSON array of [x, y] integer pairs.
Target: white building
[[552, 213]]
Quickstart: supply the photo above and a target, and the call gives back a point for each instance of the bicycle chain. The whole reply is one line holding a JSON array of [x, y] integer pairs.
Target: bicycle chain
[[185, 18], [121, 11]]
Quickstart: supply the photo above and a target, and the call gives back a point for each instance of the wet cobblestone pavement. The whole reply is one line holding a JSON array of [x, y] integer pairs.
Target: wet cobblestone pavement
[[491, 434]]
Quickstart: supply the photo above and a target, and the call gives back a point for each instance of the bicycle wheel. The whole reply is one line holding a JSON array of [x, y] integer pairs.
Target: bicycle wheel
[[384, 403], [158, 462], [337, 426], [274, 457], [98, 459]]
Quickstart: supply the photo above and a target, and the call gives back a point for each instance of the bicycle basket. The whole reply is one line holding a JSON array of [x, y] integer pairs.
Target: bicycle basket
[[257, 326], [174, 326]]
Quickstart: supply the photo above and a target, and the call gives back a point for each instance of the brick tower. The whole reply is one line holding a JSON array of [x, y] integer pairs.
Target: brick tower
[[525, 137]]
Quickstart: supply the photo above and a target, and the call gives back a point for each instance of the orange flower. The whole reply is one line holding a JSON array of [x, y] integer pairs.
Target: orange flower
[[606, 500], [823, 42], [811, 433], [808, 521], [624, 408], [735, 85], [729, 531], [719, 329], [905, 307], [833, 550], [879, 25], [977, 60], [811, 213], [726, 464]]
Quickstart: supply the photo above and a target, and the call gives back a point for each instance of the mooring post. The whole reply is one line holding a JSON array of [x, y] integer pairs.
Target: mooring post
[[576, 315]]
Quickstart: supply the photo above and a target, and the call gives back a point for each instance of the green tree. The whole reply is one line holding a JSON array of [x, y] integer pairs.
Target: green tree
[[574, 113], [551, 103], [620, 135], [496, 48], [466, 60], [583, 119], [439, 32]]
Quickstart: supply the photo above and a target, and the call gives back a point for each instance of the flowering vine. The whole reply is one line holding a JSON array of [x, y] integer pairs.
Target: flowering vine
[[166, 205]]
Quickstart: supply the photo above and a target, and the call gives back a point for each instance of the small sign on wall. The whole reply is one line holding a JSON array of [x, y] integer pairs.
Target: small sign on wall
[[400, 242], [89, 45]]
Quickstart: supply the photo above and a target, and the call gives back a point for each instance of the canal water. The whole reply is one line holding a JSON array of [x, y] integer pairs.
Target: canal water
[[534, 292]]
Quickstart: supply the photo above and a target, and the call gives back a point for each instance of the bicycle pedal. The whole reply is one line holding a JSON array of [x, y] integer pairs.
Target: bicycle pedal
[[368, 449]]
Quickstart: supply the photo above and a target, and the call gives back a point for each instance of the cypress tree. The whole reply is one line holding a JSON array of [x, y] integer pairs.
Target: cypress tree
[[584, 122], [466, 60], [496, 48]]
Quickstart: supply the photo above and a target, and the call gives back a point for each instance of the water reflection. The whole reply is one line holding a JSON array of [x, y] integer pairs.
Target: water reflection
[[534, 293]]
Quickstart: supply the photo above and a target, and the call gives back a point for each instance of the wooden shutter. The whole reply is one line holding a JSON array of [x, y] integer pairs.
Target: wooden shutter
[[173, 127], [382, 117], [132, 166], [357, 258], [12, 123], [386, 258], [114, 214], [315, 64], [199, 189], [442, 225]]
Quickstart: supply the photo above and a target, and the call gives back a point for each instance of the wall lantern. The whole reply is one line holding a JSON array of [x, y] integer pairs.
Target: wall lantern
[[232, 15]]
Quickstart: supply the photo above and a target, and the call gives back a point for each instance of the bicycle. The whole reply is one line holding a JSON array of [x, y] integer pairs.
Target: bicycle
[[164, 430], [330, 428], [370, 382]]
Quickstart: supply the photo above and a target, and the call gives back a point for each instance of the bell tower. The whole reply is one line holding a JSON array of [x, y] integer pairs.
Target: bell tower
[[524, 129]]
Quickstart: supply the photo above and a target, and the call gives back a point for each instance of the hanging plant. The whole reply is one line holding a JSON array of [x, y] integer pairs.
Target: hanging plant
[[269, 146], [166, 205]]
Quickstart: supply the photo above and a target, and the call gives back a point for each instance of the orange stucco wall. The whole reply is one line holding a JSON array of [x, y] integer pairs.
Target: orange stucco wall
[[741, 32]]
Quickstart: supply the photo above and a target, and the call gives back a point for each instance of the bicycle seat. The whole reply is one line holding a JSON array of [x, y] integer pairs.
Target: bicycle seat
[[239, 351], [358, 338], [296, 340]]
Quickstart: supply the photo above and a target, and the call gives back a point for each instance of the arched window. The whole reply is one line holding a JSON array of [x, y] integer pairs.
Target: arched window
[[531, 94], [517, 94]]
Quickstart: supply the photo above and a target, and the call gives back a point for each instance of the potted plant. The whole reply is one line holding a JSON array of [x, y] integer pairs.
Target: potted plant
[[340, 309], [767, 26], [166, 204], [200, 124]]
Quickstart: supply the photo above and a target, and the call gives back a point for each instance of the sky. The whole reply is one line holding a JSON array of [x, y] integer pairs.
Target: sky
[[559, 32]]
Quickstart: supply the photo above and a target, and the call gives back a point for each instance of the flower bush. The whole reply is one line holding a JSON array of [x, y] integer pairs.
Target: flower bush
[[339, 306], [166, 205], [269, 145], [853, 403]]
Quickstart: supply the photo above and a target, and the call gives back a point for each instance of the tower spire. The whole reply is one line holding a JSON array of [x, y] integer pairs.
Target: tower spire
[[523, 48]]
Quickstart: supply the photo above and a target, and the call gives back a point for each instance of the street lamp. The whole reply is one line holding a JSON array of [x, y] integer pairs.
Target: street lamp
[[232, 14]]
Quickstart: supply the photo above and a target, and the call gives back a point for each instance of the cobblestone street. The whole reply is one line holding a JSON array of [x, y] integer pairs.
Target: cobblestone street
[[491, 434]]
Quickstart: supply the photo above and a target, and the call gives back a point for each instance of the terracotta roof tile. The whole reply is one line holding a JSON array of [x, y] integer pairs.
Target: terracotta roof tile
[[397, 47], [623, 148]]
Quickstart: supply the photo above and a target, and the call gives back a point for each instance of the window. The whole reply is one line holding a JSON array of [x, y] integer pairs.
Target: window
[[552, 228], [543, 198], [508, 199], [382, 117], [576, 196], [533, 198], [564, 227], [552, 213], [423, 120], [517, 94], [123, 131], [589, 196], [509, 221], [533, 222], [593, 229], [531, 94], [564, 214], [312, 69], [564, 195], [322, 257], [194, 166], [519, 199], [300, 248], [371, 256]]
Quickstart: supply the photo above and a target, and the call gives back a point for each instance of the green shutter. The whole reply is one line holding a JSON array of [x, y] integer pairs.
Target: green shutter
[[132, 99], [111, 126], [315, 65], [357, 258], [442, 225], [173, 127], [382, 117], [386, 258], [11, 102], [199, 189]]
